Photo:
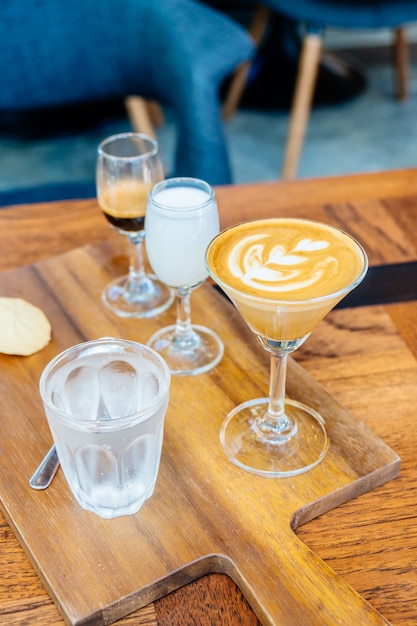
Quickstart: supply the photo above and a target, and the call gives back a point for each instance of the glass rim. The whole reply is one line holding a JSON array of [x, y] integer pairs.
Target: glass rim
[[182, 181], [112, 139], [113, 423], [302, 301]]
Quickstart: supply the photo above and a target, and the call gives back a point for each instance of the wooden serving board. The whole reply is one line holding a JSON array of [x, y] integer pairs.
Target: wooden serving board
[[206, 515]]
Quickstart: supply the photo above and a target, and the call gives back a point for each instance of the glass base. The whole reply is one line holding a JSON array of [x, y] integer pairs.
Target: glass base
[[274, 455], [145, 298], [191, 355]]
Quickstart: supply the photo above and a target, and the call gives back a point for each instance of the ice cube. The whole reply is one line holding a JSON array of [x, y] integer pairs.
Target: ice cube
[[118, 388], [147, 388], [82, 391]]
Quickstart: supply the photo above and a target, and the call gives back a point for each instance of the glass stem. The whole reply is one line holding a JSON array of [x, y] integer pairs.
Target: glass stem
[[136, 261], [139, 288], [278, 375], [275, 424], [185, 337]]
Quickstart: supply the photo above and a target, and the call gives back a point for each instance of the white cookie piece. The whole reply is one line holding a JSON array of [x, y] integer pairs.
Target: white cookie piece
[[24, 329]]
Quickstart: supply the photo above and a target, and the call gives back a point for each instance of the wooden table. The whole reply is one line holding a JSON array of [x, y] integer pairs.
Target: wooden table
[[371, 541]]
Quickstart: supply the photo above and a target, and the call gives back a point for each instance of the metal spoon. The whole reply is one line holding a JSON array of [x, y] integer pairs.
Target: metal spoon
[[43, 476]]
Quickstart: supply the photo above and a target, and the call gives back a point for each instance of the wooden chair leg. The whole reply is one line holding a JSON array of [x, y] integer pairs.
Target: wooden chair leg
[[155, 112], [401, 62], [238, 83], [140, 115], [303, 96], [144, 115]]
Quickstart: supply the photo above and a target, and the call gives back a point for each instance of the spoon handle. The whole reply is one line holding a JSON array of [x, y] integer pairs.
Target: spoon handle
[[43, 476]]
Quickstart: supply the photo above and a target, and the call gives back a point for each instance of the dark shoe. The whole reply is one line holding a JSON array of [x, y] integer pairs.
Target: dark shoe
[[272, 86], [271, 81]]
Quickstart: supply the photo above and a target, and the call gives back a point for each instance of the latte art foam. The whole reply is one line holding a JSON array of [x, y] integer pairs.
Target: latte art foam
[[286, 259], [285, 275]]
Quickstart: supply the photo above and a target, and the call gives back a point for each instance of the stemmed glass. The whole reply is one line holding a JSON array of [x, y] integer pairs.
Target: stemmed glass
[[128, 165], [181, 219], [284, 276]]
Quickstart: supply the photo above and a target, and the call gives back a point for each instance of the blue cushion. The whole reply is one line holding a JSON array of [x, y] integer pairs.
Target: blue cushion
[[174, 51]]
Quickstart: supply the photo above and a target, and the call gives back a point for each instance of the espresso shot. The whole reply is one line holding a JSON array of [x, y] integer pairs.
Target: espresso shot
[[128, 166], [124, 205]]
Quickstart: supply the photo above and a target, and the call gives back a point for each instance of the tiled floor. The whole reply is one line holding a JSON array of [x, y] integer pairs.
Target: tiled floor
[[370, 133]]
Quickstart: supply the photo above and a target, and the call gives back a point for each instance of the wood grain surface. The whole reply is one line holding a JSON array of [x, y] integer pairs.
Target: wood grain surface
[[371, 540], [206, 515], [378, 208]]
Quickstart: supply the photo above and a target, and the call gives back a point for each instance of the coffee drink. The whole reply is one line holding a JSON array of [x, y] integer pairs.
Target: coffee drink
[[285, 274], [124, 204]]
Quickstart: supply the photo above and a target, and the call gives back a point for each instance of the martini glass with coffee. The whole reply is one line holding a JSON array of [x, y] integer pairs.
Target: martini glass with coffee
[[128, 166], [283, 275]]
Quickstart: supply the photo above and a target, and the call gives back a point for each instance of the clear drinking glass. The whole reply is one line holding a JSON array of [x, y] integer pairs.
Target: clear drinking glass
[[105, 401], [128, 165], [284, 276], [181, 219]]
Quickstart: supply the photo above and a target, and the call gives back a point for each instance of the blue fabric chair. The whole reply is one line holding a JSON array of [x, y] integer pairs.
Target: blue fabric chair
[[348, 13], [177, 52], [312, 18], [315, 16]]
